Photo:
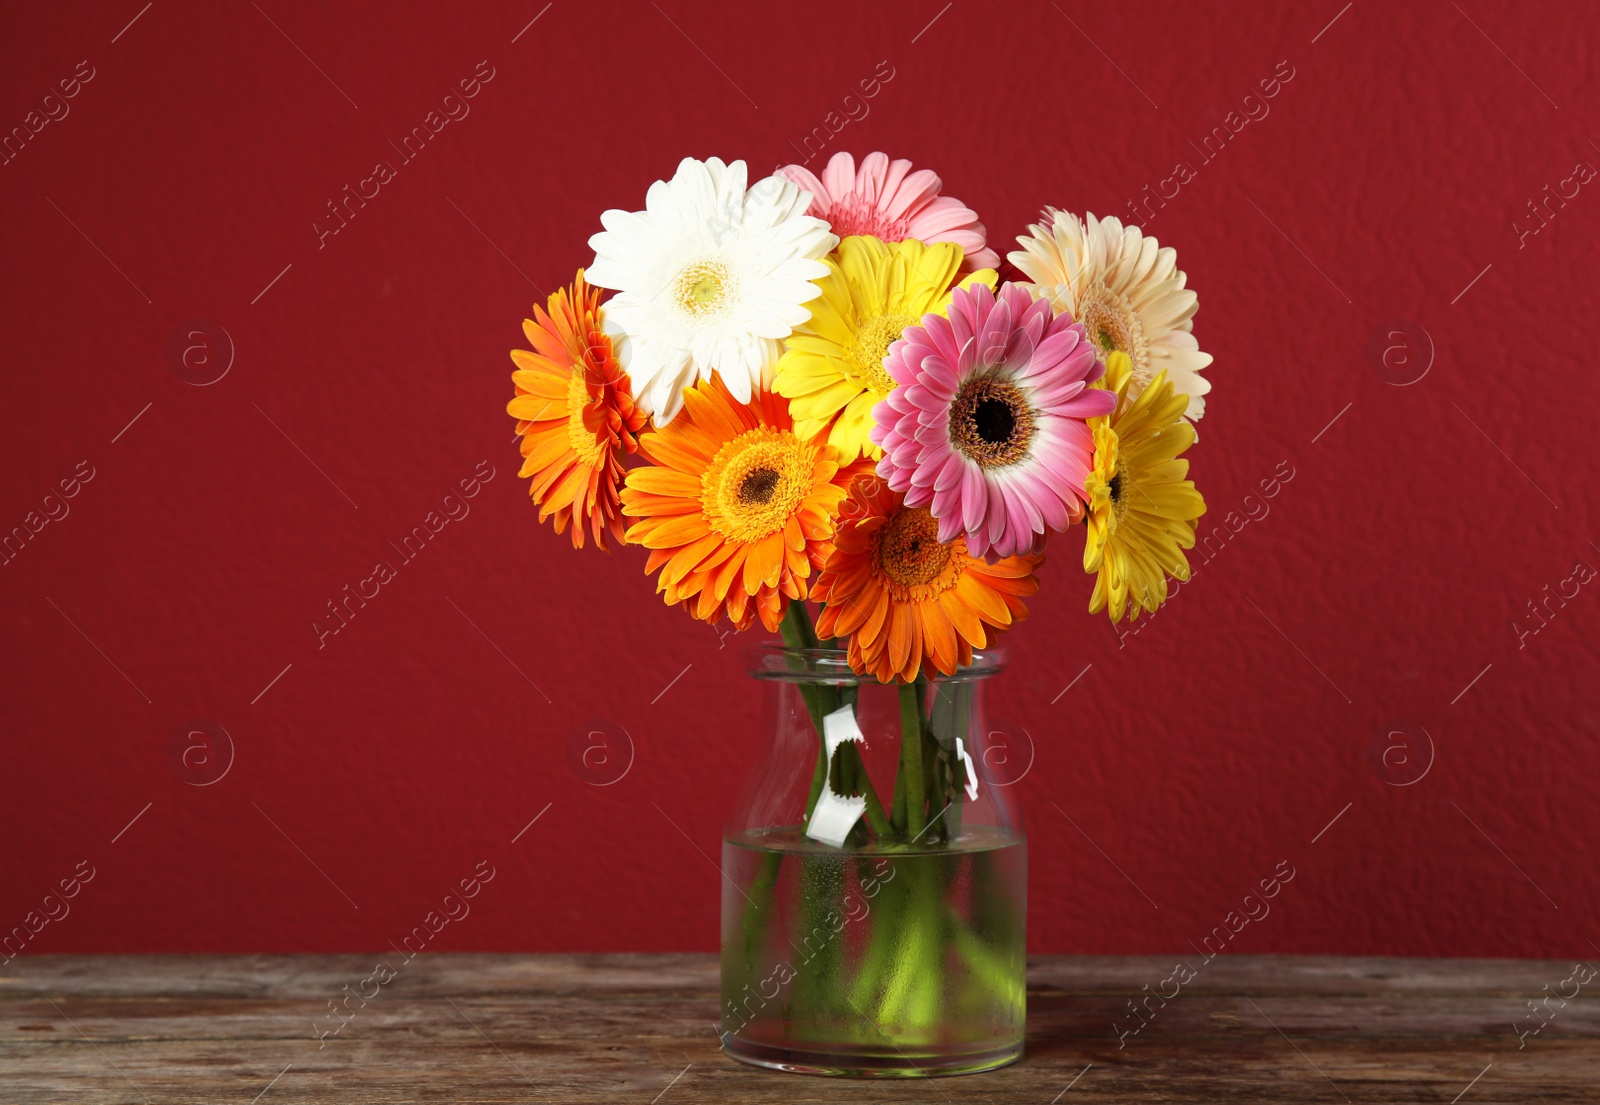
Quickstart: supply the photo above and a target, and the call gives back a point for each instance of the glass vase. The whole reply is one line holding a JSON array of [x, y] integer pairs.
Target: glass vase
[[874, 897]]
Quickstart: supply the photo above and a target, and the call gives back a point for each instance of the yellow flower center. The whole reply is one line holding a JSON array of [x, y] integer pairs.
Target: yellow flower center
[[756, 483], [1119, 489], [1114, 325], [991, 421], [1109, 483], [911, 559], [583, 440], [702, 288], [872, 346]]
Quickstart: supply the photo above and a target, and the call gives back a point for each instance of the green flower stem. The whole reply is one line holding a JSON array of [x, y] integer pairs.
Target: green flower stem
[[874, 969], [949, 720], [911, 939], [916, 795], [997, 976], [762, 889], [993, 928], [922, 1012], [818, 775], [904, 961], [797, 633], [932, 788], [821, 701], [862, 785]]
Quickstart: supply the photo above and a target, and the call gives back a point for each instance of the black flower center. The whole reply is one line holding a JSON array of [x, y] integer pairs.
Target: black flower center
[[758, 485], [991, 422], [994, 420]]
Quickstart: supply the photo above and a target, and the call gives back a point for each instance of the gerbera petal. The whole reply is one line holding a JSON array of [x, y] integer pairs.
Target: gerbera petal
[[963, 618]]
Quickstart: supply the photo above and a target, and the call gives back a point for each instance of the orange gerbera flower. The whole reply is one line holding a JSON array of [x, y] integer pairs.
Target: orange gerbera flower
[[575, 412], [736, 509], [906, 602]]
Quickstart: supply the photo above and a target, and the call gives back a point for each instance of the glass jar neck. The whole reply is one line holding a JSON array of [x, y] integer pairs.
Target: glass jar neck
[[831, 666]]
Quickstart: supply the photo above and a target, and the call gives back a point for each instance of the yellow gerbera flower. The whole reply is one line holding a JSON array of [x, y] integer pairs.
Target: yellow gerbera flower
[[1142, 508], [832, 368]]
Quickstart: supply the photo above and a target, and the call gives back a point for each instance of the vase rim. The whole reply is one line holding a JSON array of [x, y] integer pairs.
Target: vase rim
[[832, 665]]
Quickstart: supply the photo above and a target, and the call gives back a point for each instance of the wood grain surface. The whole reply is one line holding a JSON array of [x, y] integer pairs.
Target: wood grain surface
[[639, 1028]]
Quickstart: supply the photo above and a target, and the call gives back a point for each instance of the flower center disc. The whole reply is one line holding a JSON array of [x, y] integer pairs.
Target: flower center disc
[[872, 346], [1113, 324], [854, 215], [909, 552], [755, 483], [758, 485], [582, 439], [991, 422], [701, 289], [994, 421], [1118, 487]]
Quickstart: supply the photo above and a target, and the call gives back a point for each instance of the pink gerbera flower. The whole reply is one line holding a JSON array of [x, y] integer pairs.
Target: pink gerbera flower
[[986, 424], [891, 203]]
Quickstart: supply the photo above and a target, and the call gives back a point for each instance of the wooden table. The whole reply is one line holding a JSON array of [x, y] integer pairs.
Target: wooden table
[[638, 1028]]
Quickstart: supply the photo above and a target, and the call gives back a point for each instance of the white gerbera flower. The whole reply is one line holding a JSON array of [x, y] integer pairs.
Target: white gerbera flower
[[709, 277], [1128, 292]]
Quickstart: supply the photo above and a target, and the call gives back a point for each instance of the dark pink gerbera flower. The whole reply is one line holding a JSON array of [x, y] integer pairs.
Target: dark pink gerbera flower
[[888, 201]]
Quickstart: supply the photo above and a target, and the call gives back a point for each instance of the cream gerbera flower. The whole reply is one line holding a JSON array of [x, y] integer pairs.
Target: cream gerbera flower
[[1128, 292], [832, 370], [710, 278]]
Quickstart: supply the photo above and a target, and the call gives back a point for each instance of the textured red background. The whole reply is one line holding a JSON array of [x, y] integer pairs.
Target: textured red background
[[370, 378]]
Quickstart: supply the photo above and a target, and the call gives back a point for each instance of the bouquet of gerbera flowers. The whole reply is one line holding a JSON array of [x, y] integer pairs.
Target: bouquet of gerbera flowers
[[818, 391]]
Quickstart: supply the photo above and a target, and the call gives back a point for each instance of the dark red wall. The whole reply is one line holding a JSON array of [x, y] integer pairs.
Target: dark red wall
[[1384, 191]]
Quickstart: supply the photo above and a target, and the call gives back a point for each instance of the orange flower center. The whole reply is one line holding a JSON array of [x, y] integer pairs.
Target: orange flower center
[[911, 558], [991, 421], [756, 483]]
